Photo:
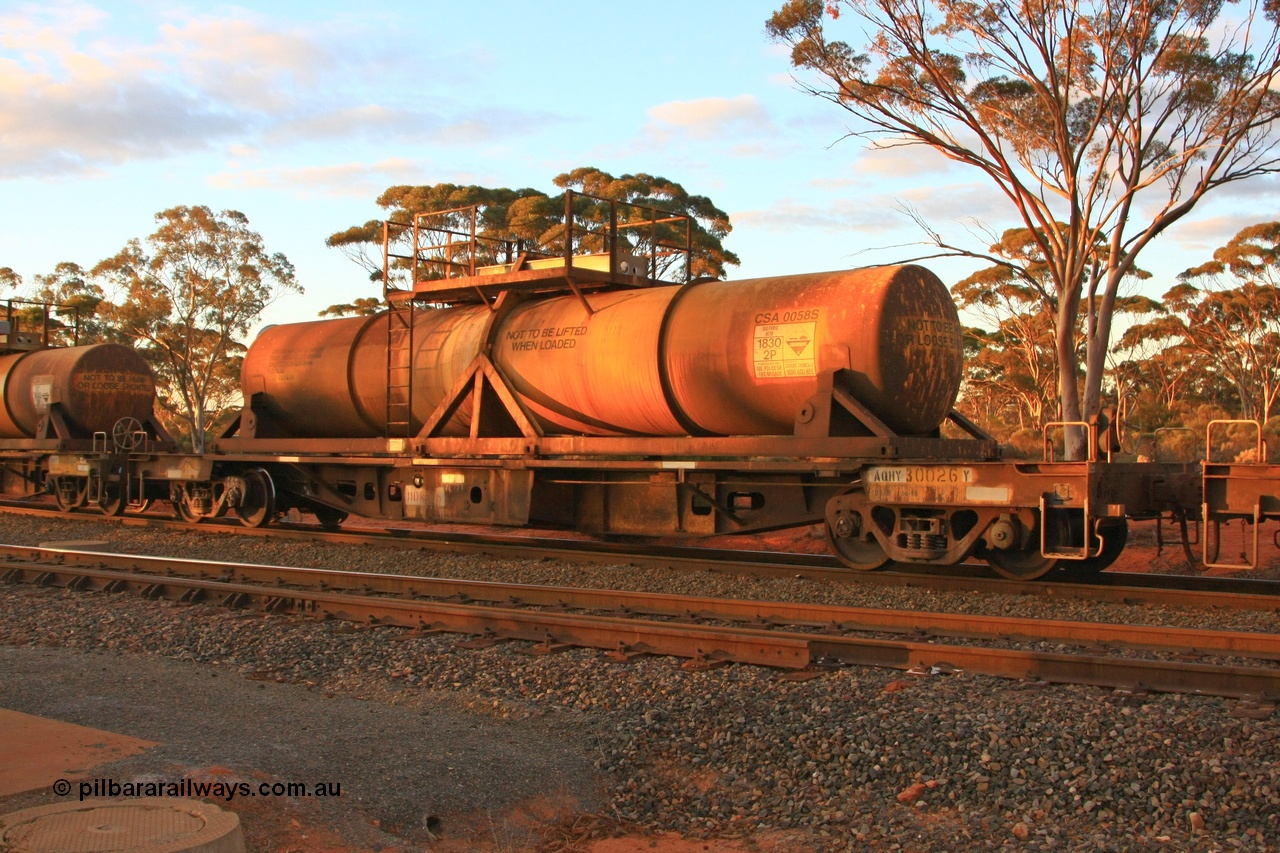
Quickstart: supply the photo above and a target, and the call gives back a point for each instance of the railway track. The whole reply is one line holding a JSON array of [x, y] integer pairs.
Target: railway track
[[1120, 587], [707, 631]]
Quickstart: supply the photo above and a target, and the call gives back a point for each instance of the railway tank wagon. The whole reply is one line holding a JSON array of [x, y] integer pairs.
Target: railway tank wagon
[[56, 402], [649, 411]]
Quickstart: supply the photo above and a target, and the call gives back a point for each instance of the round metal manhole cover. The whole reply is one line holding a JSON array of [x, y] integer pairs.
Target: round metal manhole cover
[[150, 825]]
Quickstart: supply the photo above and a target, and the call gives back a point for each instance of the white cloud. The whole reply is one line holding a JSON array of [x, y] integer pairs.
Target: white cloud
[[708, 118], [493, 124], [359, 180], [73, 100], [842, 215], [240, 62], [34, 30], [366, 119], [1263, 187], [1205, 235], [739, 126], [968, 203], [385, 123], [76, 98], [91, 115], [876, 164], [942, 207]]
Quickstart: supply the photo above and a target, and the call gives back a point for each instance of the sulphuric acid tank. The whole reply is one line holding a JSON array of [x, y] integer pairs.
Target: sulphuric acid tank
[[94, 386], [712, 358]]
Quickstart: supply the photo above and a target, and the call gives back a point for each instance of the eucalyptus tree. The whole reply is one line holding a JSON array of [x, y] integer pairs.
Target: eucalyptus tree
[[1016, 358], [65, 302], [1225, 316], [1100, 122], [186, 296], [537, 219]]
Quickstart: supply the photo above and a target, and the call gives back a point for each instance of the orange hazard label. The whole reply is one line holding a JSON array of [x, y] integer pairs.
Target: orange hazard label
[[782, 350]]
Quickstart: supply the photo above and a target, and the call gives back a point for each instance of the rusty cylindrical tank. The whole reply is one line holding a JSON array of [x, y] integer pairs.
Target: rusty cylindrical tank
[[328, 378], [720, 357], [95, 386]]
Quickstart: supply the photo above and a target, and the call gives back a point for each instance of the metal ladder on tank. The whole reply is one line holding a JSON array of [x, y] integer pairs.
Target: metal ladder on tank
[[400, 370]]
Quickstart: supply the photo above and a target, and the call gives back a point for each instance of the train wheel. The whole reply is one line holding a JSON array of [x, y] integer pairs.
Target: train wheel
[[329, 518], [865, 555], [140, 507], [112, 500], [184, 511], [1027, 564], [258, 504], [1020, 565], [70, 492]]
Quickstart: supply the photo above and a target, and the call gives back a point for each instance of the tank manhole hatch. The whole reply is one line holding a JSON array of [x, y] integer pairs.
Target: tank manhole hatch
[[147, 825]]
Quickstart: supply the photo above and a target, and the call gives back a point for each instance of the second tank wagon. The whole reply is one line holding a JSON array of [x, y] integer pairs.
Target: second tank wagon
[[80, 389]]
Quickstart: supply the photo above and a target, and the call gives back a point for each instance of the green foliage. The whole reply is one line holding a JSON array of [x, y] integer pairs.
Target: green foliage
[[1221, 323], [362, 307], [1209, 349], [63, 303], [1014, 367], [185, 296], [1027, 444], [79, 301], [710, 224], [536, 219]]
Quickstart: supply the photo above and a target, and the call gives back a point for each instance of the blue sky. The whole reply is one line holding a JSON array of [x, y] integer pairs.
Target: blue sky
[[300, 114]]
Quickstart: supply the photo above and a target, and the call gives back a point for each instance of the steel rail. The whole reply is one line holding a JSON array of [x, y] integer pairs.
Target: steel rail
[[1120, 587], [631, 635], [551, 629], [1199, 641]]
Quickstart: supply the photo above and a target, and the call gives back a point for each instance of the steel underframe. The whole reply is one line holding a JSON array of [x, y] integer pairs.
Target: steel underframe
[[691, 466]]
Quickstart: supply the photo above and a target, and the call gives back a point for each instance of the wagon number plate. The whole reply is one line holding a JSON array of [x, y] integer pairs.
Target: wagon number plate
[[930, 484]]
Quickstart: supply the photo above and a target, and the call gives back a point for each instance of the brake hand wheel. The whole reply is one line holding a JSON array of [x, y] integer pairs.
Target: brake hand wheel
[[127, 434]]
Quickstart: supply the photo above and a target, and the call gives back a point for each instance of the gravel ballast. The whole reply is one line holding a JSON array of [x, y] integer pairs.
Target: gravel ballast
[[856, 759]]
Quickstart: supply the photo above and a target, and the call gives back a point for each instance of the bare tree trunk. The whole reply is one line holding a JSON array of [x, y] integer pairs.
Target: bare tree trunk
[[1247, 408], [1098, 345], [1094, 367], [1075, 443], [197, 431]]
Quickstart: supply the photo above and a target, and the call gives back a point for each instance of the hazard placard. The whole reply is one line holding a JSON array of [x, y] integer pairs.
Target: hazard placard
[[782, 350]]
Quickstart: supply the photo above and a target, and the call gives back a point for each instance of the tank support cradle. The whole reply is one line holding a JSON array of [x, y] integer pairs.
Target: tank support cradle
[[496, 412]]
